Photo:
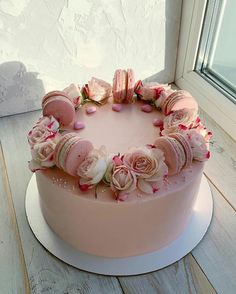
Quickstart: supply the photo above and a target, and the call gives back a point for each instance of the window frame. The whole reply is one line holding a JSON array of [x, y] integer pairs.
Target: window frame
[[211, 100]]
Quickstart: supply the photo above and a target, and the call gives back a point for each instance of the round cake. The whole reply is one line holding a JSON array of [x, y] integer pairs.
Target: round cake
[[118, 167]]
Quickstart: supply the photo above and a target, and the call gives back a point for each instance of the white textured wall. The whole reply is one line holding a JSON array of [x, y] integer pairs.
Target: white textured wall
[[46, 44]]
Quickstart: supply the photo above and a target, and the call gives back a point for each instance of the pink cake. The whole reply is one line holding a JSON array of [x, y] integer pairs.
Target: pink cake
[[120, 179]]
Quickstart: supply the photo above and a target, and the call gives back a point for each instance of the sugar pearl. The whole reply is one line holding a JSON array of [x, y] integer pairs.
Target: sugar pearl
[[117, 107], [91, 109], [157, 122], [146, 108], [78, 125]]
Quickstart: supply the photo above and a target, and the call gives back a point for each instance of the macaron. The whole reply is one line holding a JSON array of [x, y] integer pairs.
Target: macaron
[[70, 152], [173, 152], [130, 85], [59, 105], [178, 100], [119, 85], [186, 146]]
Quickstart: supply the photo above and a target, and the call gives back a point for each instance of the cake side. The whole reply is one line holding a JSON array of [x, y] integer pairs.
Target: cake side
[[115, 229]]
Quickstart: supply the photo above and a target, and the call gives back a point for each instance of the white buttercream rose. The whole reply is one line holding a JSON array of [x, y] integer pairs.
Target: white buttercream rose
[[198, 145], [93, 168], [149, 166], [45, 129], [97, 90], [123, 180], [44, 153], [177, 120], [73, 91]]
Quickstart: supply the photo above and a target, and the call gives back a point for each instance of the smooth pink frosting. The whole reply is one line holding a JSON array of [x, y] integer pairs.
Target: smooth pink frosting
[[118, 131], [109, 228], [103, 226]]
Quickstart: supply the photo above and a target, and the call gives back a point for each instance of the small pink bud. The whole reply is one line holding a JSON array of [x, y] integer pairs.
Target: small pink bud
[[91, 109], [122, 196], [157, 122], [146, 108], [117, 107], [78, 125]]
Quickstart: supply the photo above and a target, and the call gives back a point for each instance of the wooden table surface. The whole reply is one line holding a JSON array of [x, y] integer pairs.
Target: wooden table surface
[[25, 266]]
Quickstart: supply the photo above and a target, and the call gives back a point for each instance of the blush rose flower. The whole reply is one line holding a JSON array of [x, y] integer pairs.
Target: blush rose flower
[[43, 153], [93, 168], [45, 129], [123, 180], [97, 90], [149, 166], [198, 145], [178, 120], [150, 91], [73, 91]]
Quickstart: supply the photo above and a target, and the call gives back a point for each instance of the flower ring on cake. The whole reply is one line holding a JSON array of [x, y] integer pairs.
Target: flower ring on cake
[[182, 138]]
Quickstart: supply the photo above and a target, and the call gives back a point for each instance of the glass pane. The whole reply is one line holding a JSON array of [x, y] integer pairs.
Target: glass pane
[[222, 57], [217, 52]]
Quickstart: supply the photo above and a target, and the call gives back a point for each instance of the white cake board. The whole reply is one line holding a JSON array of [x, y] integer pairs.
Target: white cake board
[[134, 265]]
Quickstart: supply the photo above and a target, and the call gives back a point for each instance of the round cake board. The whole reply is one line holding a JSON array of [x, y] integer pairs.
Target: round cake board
[[133, 265]]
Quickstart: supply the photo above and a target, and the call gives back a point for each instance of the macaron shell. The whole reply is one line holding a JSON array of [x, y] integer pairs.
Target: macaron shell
[[171, 156], [187, 102], [186, 146], [130, 85], [61, 108], [54, 93], [119, 85], [76, 155], [59, 147]]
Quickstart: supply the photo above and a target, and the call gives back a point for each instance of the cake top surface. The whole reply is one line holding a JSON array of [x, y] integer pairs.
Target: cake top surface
[[131, 138], [117, 131]]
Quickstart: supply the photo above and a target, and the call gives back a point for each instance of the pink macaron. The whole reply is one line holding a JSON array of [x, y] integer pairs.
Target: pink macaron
[[178, 100], [70, 152], [174, 154], [186, 146], [119, 85], [58, 104], [130, 86]]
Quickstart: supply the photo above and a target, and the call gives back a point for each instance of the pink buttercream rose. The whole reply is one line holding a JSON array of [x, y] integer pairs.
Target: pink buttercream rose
[[43, 153], [150, 91], [97, 90], [73, 91], [149, 166], [93, 168], [123, 180], [45, 129], [198, 145], [178, 120]]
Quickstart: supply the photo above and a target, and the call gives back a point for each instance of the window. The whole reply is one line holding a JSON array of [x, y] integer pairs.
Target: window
[[216, 60], [206, 62]]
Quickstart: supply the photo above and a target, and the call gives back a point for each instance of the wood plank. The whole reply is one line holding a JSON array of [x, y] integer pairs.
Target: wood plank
[[46, 273], [216, 254], [13, 274], [184, 276], [221, 168]]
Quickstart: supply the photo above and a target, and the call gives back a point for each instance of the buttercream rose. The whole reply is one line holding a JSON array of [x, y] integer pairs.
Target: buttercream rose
[[97, 90], [93, 168], [178, 120], [73, 91], [149, 166], [150, 91], [45, 129], [44, 153], [123, 180], [198, 145]]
